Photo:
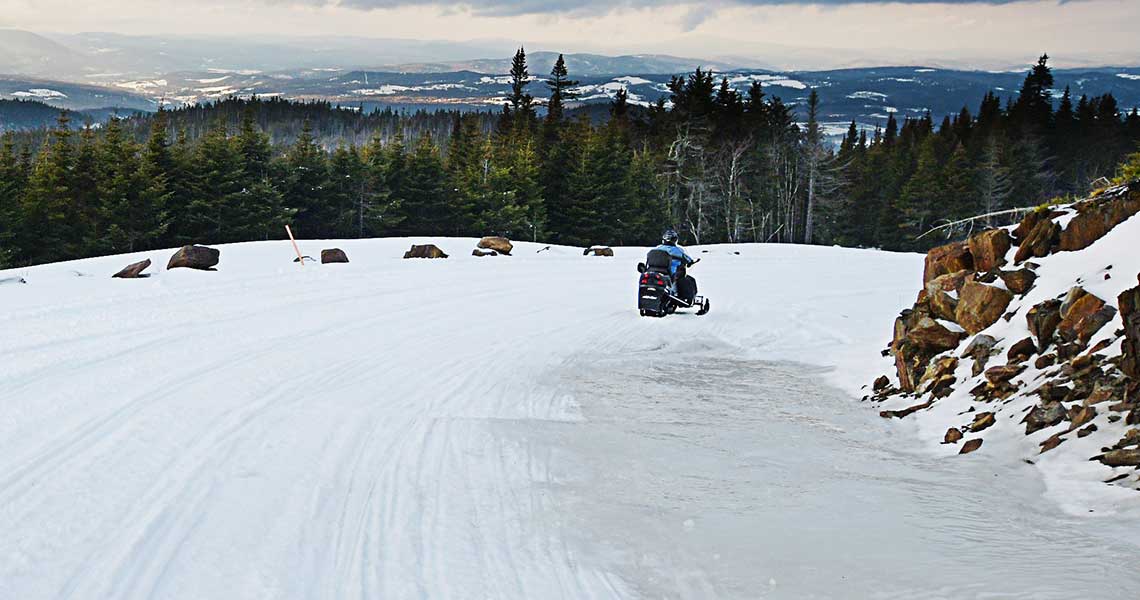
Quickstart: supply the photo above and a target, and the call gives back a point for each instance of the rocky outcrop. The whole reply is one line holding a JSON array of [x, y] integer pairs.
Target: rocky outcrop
[[333, 255], [499, 244], [989, 248], [1076, 375], [195, 257], [980, 306], [950, 258], [133, 270], [1129, 303], [1099, 215], [425, 251]]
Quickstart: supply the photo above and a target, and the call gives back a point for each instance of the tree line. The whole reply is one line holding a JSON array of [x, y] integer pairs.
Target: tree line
[[720, 164]]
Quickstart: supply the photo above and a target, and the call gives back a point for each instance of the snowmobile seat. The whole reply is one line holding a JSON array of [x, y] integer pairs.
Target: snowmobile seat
[[658, 261]]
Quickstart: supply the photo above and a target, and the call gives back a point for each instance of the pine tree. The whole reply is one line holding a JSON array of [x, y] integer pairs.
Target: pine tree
[[305, 186], [11, 190], [519, 109], [422, 193], [218, 173], [50, 230], [559, 84]]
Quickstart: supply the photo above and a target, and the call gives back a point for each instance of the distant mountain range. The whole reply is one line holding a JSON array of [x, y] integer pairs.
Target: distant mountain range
[[126, 73]]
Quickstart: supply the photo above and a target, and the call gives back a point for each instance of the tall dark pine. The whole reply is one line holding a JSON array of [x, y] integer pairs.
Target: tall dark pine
[[520, 104], [559, 84]]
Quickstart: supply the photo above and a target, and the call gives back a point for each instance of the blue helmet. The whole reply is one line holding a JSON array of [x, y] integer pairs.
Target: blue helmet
[[669, 237]]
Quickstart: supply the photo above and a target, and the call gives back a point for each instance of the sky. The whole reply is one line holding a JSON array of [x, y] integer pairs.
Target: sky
[[837, 32]]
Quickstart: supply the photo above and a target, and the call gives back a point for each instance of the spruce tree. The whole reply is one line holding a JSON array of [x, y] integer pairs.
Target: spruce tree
[[49, 228], [559, 85]]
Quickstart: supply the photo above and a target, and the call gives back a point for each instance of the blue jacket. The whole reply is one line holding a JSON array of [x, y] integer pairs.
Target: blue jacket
[[679, 256]]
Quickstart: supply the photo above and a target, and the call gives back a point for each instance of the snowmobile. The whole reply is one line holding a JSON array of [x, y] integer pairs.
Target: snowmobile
[[657, 292]]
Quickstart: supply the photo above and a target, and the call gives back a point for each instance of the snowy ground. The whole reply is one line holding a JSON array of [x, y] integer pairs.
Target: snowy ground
[[501, 427]]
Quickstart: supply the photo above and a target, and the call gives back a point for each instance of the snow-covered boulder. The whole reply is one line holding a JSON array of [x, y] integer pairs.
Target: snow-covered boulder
[[950, 258], [980, 305]]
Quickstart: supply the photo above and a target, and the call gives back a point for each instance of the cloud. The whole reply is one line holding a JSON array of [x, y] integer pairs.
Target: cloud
[[499, 8]]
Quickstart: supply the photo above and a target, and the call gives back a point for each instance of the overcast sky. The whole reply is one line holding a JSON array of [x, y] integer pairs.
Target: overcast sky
[[1073, 31]]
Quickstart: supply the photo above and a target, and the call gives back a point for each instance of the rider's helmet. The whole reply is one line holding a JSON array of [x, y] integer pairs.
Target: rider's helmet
[[669, 237]]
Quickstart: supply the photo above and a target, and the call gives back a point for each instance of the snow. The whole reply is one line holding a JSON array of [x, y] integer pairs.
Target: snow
[[1128, 76], [865, 95], [493, 428], [212, 80], [43, 93], [767, 80], [925, 70], [630, 80]]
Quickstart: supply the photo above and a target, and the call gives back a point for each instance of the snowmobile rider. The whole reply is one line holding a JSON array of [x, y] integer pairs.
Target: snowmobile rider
[[686, 285]]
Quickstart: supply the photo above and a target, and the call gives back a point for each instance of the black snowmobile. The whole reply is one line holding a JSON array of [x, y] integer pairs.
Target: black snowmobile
[[657, 292]]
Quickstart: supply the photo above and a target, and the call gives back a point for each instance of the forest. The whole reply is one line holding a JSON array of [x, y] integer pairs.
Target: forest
[[719, 164]]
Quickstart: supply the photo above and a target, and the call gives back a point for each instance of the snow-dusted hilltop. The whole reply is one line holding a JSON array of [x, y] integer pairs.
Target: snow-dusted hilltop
[[1026, 340]]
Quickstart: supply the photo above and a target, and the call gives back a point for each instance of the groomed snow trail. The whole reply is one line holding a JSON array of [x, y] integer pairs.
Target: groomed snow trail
[[390, 428]]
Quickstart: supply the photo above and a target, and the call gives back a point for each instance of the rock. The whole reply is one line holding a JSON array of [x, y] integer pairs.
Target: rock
[[980, 349], [1045, 415], [1040, 241], [1025, 227], [938, 375], [950, 258], [598, 251], [12, 280], [1019, 281], [1043, 320], [333, 255], [989, 248], [899, 414], [1103, 392], [1083, 317], [1080, 415], [1047, 360], [306, 257], [1051, 442], [1086, 431], [1120, 458], [133, 270], [980, 305], [194, 257], [1129, 303], [1003, 374], [425, 251], [953, 436], [1096, 217], [499, 244], [942, 293], [971, 446], [983, 421], [933, 336], [1022, 350], [882, 383], [1131, 438], [480, 252]]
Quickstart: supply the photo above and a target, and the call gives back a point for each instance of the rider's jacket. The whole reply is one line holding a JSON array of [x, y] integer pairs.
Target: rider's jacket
[[679, 256]]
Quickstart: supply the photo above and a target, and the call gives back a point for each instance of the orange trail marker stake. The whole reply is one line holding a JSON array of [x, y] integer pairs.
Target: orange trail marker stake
[[292, 239]]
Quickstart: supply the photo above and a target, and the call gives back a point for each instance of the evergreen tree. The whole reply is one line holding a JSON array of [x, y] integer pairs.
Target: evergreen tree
[[559, 84], [49, 230], [305, 186]]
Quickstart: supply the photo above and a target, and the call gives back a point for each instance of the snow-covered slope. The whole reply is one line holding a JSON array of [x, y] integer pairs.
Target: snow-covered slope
[[275, 431]]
